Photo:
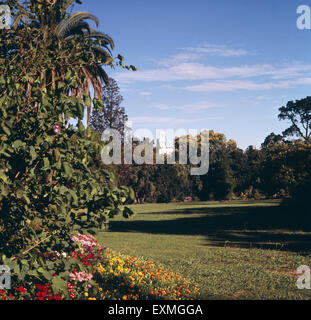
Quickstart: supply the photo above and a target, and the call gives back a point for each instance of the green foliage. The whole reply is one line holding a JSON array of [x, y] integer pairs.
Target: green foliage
[[286, 169], [49, 185], [299, 114], [285, 166]]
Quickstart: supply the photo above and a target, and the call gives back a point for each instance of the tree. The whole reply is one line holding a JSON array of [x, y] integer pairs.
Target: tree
[[218, 183], [299, 114], [72, 36], [112, 115], [271, 140]]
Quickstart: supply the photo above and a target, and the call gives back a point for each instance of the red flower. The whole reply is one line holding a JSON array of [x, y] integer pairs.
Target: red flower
[[57, 297], [21, 289], [70, 286], [1, 292]]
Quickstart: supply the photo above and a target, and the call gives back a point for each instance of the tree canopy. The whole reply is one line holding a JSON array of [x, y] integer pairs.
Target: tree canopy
[[299, 114]]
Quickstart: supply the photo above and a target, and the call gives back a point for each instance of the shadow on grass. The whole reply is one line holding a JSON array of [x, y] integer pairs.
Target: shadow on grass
[[268, 227]]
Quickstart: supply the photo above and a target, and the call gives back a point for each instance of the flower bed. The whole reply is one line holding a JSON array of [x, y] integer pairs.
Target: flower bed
[[107, 276]]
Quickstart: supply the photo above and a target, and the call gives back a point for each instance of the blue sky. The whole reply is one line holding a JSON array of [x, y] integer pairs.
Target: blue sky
[[221, 65]]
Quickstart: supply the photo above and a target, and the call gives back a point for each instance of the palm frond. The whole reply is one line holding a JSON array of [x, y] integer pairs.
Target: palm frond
[[103, 36], [71, 22], [78, 28], [104, 53], [68, 4]]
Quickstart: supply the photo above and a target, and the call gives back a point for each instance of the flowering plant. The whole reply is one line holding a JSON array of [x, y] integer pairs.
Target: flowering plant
[[97, 273]]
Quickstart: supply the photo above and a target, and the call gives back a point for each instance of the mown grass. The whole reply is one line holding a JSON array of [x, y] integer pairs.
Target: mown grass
[[231, 250]]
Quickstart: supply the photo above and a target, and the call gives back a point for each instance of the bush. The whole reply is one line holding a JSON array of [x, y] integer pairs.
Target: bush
[[49, 186]]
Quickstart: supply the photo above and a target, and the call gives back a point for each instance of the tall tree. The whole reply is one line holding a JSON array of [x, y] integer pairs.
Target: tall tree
[[299, 114], [85, 49], [112, 115]]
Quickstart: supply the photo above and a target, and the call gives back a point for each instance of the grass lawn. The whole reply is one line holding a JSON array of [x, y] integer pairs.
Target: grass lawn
[[231, 250]]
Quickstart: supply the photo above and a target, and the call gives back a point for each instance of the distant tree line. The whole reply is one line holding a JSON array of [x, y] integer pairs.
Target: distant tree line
[[280, 168]]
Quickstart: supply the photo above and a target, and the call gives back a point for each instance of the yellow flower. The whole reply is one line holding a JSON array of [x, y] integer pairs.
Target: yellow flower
[[100, 289], [91, 298], [86, 294]]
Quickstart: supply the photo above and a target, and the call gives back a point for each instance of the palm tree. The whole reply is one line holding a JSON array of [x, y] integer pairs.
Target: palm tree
[[68, 32]]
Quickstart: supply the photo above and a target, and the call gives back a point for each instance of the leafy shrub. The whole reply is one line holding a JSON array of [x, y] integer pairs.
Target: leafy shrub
[[49, 187]]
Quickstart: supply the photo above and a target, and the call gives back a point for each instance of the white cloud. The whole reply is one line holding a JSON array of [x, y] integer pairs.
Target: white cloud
[[145, 93], [157, 120], [218, 50], [185, 67], [169, 121], [197, 71], [198, 106], [179, 58], [234, 85], [261, 98]]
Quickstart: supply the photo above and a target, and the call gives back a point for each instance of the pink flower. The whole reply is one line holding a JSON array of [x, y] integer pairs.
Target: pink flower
[[81, 276], [35, 107], [87, 241], [57, 129]]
